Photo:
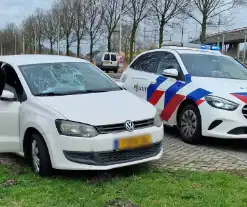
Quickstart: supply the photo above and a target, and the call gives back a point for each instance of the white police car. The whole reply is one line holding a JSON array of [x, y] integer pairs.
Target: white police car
[[201, 91]]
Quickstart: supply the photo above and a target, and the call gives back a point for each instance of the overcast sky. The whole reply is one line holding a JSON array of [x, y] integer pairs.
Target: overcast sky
[[17, 10]]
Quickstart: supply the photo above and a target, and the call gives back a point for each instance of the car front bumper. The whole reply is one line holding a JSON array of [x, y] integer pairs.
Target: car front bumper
[[222, 123], [98, 153]]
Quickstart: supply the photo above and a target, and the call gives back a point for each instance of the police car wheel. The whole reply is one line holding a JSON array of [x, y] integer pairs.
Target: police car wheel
[[189, 124]]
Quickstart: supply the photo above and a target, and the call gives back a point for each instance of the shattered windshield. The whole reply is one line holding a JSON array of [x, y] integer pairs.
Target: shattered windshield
[[66, 78]]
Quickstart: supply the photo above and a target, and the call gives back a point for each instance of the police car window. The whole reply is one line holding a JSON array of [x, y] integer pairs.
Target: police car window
[[135, 64], [146, 62], [149, 62], [168, 61], [202, 65]]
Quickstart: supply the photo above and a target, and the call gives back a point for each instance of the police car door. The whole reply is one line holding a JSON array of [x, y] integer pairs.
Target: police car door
[[144, 74], [165, 94]]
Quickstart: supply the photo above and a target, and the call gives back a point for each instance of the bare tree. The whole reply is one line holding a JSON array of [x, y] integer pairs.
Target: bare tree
[[39, 14], [50, 27], [137, 11], [126, 33], [166, 10], [113, 10], [28, 31], [94, 23], [67, 21], [208, 9], [79, 24]]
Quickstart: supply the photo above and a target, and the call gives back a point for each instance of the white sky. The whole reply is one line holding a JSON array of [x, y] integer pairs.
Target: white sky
[[17, 10]]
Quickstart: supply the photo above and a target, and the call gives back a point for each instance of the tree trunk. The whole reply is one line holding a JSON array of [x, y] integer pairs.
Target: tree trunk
[[67, 45], [91, 48], [162, 24], [39, 42], [51, 47], [78, 50], [132, 41], [109, 42], [204, 29]]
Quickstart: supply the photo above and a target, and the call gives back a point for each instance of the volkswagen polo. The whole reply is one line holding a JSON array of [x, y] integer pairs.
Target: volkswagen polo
[[65, 113]]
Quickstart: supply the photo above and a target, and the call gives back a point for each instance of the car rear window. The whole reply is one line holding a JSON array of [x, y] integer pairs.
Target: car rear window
[[107, 57], [113, 57]]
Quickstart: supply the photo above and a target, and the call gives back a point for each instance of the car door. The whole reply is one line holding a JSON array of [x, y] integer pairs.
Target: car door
[[143, 74], [114, 59], [169, 88], [9, 120]]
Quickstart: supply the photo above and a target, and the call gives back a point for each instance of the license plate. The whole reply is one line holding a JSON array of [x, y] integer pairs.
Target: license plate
[[106, 62], [133, 142]]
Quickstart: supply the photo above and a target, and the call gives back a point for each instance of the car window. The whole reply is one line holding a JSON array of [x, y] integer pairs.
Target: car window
[[13, 83], [147, 62], [107, 56], [167, 61], [113, 57], [66, 78], [203, 65]]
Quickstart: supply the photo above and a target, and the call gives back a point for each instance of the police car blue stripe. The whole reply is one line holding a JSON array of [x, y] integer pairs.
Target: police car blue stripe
[[153, 87], [173, 89], [197, 94], [240, 94]]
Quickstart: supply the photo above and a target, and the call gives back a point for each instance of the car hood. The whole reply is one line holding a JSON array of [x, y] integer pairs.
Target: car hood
[[101, 108], [225, 88]]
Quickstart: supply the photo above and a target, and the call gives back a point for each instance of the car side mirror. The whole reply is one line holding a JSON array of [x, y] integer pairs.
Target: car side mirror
[[7, 96], [172, 73]]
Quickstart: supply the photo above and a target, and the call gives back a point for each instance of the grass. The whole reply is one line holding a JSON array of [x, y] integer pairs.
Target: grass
[[141, 185]]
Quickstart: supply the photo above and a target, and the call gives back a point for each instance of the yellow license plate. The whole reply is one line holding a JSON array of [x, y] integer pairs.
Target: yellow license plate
[[106, 62], [133, 142]]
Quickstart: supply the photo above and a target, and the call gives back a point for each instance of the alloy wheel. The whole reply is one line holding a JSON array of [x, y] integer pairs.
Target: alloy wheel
[[35, 156], [188, 123]]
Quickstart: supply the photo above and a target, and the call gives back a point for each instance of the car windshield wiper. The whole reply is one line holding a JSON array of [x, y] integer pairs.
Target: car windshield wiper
[[87, 91], [70, 93], [50, 94]]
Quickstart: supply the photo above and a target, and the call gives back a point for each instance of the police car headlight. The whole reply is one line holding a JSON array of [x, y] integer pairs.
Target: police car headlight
[[157, 120], [221, 103], [70, 128]]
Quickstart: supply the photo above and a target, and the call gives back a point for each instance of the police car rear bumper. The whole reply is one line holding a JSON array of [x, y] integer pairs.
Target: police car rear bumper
[[222, 123]]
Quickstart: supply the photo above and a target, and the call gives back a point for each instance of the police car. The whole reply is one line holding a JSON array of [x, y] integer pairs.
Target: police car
[[196, 88]]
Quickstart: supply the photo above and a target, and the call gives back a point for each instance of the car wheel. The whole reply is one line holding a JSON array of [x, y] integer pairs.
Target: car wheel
[[115, 71], [41, 162], [189, 124]]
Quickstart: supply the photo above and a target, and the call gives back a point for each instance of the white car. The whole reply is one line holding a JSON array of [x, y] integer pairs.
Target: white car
[[65, 113], [107, 61], [199, 90]]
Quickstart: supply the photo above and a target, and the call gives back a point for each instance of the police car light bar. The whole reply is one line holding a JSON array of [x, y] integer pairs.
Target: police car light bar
[[191, 45]]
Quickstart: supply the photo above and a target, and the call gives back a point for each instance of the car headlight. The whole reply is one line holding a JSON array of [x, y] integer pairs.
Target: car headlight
[[70, 128], [221, 103], [157, 120]]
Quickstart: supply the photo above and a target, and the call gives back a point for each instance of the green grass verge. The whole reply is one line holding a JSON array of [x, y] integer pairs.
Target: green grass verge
[[142, 186]]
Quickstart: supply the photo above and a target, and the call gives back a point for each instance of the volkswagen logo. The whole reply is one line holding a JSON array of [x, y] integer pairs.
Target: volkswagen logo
[[129, 126]]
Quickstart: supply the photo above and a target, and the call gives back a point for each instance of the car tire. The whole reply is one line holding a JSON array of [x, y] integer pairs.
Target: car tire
[[189, 124], [115, 71], [40, 157]]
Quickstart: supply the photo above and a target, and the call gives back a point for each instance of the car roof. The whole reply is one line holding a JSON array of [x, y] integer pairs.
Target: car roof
[[36, 59], [183, 50]]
